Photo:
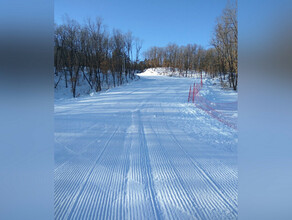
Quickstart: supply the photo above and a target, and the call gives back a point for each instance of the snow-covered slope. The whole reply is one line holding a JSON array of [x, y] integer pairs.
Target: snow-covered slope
[[83, 88], [164, 71], [141, 151]]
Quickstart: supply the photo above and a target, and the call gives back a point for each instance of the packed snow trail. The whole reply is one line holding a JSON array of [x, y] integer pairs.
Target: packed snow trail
[[140, 151]]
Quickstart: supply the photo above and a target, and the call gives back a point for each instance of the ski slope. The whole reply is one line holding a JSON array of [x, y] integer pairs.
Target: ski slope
[[141, 151]]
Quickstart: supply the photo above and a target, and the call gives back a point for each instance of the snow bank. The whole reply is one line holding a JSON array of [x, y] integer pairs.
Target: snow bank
[[150, 72], [164, 71], [82, 88]]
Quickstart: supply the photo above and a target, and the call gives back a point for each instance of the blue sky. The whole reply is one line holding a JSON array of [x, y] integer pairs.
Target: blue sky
[[156, 22]]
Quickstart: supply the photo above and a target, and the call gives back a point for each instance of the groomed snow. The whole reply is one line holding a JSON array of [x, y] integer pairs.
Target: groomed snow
[[150, 72], [141, 151]]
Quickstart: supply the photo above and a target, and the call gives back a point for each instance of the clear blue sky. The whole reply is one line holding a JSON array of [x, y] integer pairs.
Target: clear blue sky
[[156, 22]]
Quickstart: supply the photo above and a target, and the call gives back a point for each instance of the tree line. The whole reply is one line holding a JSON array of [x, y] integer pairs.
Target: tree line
[[218, 60], [186, 59], [91, 51]]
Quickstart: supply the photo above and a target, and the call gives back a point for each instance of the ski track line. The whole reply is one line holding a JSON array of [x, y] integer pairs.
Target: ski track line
[[81, 188], [105, 201], [192, 139], [138, 176], [200, 166], [100, 198], [208, 178], [219, 170], [140, 171], [116, 191], [134, 193], [79, 210], [228, 189], [205, 204], [85, 148], [60, 166], [70, 167], [172, 191], [176, 191], [200, 169], [84, 131], [135, 196], [148, 170]]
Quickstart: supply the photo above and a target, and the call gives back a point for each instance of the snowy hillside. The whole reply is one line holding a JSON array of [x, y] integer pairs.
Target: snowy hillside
[[82, 88], [163, 71], [142, 151]]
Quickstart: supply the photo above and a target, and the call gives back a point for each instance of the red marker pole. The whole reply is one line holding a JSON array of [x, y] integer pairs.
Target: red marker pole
[[190, 92], [194, 93]]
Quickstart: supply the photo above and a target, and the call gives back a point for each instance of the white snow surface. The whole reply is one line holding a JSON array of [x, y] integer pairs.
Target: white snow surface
[[83, 88], [141, 151], [164, 71]]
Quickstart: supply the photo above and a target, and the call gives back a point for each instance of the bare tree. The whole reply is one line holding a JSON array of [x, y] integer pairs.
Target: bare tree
[[225, 41], [138, 47]]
